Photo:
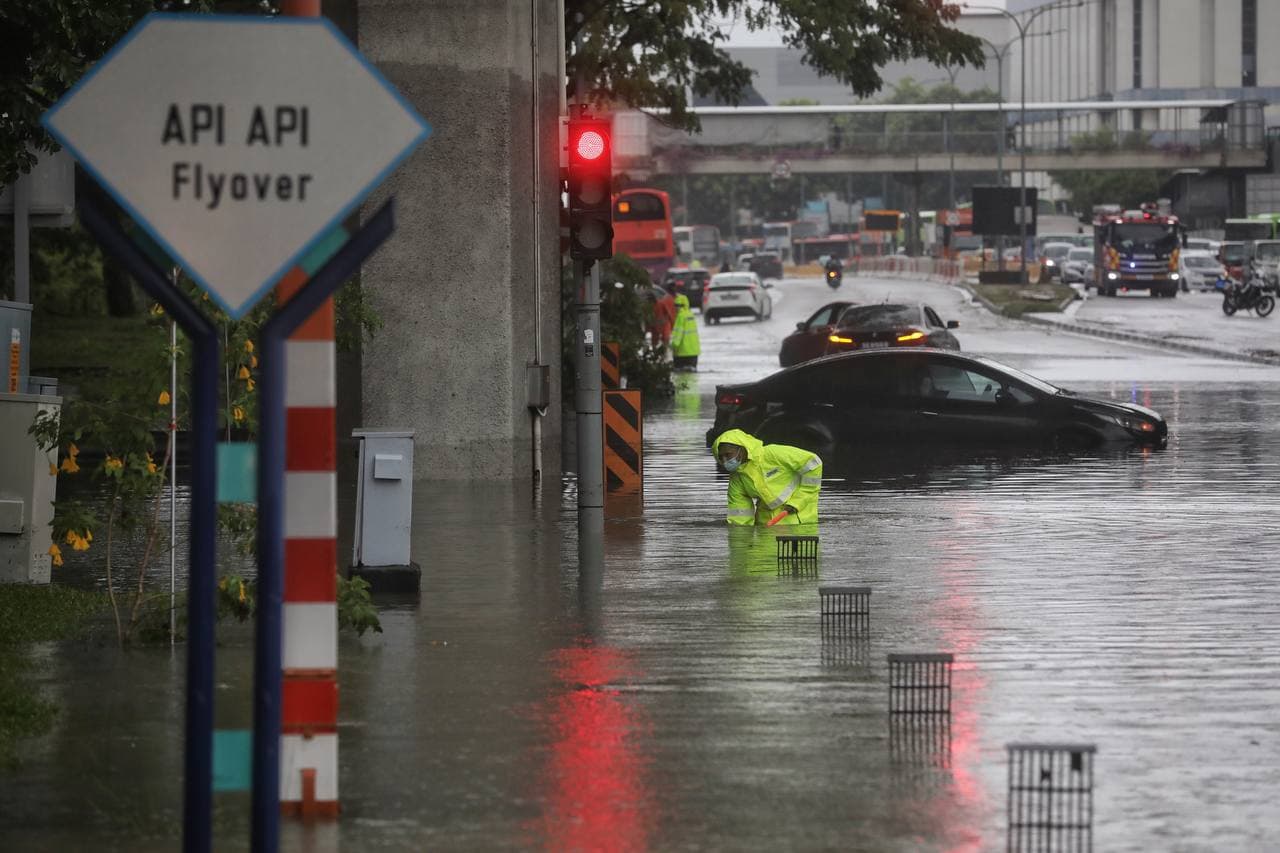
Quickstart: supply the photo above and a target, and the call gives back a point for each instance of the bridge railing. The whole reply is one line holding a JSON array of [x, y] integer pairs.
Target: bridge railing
[[1171, 129]]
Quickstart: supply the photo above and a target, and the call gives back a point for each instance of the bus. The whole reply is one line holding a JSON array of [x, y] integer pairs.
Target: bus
[[1262, 226], [808, 250], [699, 243], [642, 229]]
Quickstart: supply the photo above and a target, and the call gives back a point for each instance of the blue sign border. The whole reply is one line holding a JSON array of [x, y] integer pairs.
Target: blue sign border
[[237, 20]]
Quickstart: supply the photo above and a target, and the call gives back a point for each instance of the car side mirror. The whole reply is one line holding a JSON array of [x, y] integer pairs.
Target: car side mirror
[[802, 326], [1004, 398], [953, 324]]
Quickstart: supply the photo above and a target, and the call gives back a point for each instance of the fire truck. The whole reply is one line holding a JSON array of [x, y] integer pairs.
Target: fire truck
[[1136, 250]]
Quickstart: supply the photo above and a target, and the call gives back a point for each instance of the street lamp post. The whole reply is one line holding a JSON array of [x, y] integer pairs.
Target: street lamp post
[[1022, 112]]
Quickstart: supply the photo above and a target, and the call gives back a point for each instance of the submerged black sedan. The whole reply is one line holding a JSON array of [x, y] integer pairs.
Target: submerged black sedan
[[924, 398]]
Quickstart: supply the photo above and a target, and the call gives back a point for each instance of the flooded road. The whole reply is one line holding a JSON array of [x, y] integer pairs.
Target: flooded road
[[687, 698]]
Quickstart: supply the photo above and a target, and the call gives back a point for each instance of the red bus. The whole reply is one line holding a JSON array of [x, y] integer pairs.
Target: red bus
[[642, 229]]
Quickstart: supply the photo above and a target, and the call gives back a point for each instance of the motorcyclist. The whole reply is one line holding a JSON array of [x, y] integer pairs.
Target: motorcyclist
[[834, 270]]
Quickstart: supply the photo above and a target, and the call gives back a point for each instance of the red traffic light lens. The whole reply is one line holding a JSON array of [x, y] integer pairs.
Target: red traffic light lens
[[590, 145]]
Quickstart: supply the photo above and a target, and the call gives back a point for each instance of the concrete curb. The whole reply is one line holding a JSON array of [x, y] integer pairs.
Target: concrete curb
[[1133, 337]]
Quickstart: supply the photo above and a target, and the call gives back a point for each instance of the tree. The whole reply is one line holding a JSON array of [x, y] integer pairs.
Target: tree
[[653, 54], [49, 45], [1127, 188]]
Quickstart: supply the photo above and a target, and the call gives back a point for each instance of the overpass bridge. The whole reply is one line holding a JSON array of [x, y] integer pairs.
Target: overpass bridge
[[964, 137]]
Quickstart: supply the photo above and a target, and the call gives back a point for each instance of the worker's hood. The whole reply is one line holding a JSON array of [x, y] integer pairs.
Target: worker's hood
[[682, 301], [740, 438]]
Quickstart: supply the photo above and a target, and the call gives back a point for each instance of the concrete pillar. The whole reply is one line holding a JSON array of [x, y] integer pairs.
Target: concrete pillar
[[457, 286]]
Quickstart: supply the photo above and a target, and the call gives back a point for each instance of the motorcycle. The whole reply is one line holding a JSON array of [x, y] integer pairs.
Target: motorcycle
[[1254, 294], [835, 277]]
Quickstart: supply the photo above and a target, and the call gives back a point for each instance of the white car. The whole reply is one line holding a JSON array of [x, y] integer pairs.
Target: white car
[[736, 294], [1200, 269], [1203, 244], [1078, 267]]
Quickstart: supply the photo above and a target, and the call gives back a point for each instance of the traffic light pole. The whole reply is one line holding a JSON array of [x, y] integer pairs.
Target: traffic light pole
[[587, 399]]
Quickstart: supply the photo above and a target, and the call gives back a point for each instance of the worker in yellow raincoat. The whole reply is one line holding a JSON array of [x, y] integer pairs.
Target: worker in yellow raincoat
[[685, 346], [768, 483]]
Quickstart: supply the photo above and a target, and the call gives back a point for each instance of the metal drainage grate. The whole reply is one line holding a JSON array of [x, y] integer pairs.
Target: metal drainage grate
[[920, 683], [798, 555], [1050, 796], [920, 742], [845, 609]]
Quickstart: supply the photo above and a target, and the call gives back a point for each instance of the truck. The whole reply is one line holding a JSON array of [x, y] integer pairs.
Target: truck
[[1136, 250]]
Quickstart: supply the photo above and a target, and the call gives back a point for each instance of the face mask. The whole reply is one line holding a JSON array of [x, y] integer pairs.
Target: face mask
[[732, 465]]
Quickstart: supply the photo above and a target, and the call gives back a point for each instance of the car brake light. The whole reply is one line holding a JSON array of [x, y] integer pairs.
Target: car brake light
[[731, 399], [913, 335], [839, 339]]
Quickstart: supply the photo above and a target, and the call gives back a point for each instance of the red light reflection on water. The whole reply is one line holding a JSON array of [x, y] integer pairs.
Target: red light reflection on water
[[961, 618], [596, 794]]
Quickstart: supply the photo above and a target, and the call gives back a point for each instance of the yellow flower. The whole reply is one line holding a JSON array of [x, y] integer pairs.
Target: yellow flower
[[156, 309], [76, 541], [163, 399], [88, 535], [72, 450], [242, 593], [248, 346], [113, 463], [151, 464], [237, 413], [249, 385], [253, 361], [71, 537], [69, 465], [56, 553], [53, 470], [244, 373]]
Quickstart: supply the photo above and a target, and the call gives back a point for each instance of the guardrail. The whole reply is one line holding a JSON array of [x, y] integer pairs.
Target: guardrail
[[901, 266]]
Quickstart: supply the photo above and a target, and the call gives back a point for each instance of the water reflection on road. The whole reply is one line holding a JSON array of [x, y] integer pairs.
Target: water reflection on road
[[691, 699]]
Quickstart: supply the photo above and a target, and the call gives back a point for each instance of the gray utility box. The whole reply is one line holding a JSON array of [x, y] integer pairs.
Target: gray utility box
[[15, 328], [27, 490], [384, 512]]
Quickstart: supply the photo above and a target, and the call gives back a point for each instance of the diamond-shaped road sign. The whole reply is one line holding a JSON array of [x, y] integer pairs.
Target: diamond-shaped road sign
[[236, 141]]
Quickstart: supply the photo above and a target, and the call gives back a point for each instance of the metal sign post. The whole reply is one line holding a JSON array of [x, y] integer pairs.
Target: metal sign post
[[202, 580], [242, 160]]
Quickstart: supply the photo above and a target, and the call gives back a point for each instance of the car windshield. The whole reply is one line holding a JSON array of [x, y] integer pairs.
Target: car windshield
[[1081, 255], [1146, 235], [1201, 262], [1233, 253], [1027, 378], [1267, 251], [1057, 250], [727, 280], [879, 318]]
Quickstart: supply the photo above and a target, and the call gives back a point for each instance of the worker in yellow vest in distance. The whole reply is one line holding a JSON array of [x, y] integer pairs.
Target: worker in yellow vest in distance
[[685, 346], [768, 483]]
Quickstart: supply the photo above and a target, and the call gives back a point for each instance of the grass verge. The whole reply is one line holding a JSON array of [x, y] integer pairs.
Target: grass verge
[[1014, 300], [32, 614]]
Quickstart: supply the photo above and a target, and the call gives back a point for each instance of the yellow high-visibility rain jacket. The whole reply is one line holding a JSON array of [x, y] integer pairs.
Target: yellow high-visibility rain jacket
[[773, 476], [684, 334]]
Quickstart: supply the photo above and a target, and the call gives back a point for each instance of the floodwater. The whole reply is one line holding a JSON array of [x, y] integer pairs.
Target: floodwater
[[687, 698]]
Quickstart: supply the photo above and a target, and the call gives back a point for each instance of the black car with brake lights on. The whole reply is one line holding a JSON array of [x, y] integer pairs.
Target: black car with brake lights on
[[891, 325], [809, 340], [923, 398]]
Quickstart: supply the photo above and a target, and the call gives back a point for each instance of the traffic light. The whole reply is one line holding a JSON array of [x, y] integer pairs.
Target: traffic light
[[590, 189]]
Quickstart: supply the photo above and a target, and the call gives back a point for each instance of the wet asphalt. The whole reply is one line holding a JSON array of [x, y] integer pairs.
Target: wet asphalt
[[687, 697]]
